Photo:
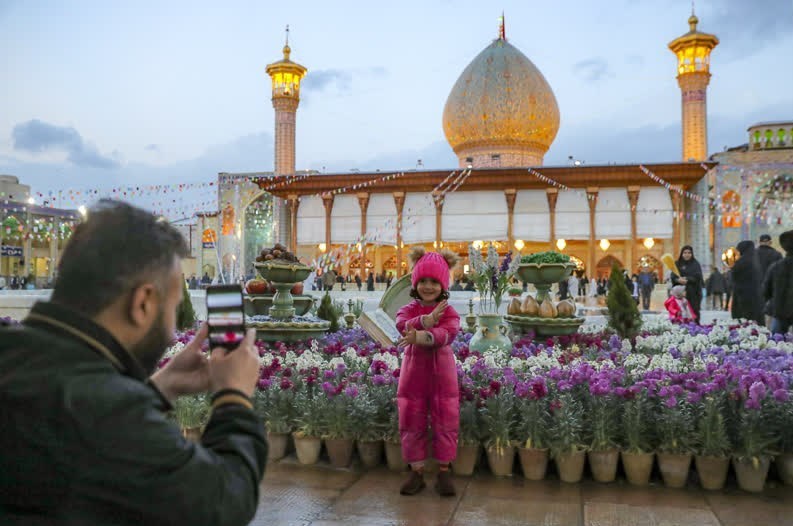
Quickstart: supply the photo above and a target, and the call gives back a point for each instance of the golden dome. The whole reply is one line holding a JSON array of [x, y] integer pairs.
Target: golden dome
[[501, 108]]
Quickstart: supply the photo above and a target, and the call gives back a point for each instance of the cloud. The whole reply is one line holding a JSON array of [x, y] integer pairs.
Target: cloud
[[592, 69], [35, 136], [152, 148], [341, 79], [745, 27]]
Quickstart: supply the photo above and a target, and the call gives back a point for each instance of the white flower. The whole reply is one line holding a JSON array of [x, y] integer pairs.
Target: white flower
[[174, 349]]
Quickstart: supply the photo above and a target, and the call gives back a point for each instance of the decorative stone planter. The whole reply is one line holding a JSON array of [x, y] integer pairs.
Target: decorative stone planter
[[534, 462], [393, 456], [339, 451], [674, 469], [784, 467], [276, 445], [712, 471], [638, 467], [307, 448], [370, 452], [491, 333], [752, 473], [500, 460], [571, 466], [465, 462], [604, 464]]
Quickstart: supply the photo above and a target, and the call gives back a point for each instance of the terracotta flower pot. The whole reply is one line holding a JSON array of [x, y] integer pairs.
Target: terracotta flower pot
[[534, 462], [500, 460], [370, 452], [784, 467], [276, 445], [604, 464], [571, 465], [712, 471], [674, 468], [638, 467], [307, 448], [393, 456], [465, 462], [751, 473], [192, 433], [339, 451]]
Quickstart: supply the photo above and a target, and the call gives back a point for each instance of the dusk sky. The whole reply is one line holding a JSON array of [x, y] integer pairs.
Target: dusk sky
[[100, 94]]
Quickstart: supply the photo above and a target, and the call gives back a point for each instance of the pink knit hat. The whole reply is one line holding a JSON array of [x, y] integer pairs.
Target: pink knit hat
[[431, 265]]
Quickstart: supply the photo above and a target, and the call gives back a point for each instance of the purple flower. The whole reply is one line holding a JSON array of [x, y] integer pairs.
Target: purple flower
[[328, 388], [757, 391], [379, 379], [781, 395], [671, 402], [286, 383], [328, 375], [351, 391]]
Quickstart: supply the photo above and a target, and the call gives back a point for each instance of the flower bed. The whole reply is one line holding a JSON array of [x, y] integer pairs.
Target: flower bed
[[721, 390]]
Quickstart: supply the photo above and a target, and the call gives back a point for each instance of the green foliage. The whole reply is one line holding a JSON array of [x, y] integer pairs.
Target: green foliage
[[365, 421], [534, 418], [623, 313], [310, 414], [357, 308], [338, 417], [191, 411], [675, 427], [567, 425], [328, 311], [498, 419], [550, 256], [637, 420], [605, 414], [753, 437], [711, 435], [470, 423], [277, 407], [185, 316]]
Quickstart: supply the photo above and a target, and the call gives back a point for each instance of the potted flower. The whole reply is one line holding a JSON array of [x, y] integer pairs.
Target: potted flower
[[309, 425], [275, 403], [533, 418], [604, 416], [339, 425], [492, 279], [498, 423], [713, 444], [366, 420], [567, 435], [784, 461], [192, 412], [675, 424], [754, 435], [637, 425], [469, 437]]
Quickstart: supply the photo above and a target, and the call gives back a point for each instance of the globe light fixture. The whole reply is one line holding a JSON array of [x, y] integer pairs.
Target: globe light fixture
[[31, 201], [478, 244], [648, 243], [604, 244], [519, 244], [560, 244], [83, 210], [323, 247]]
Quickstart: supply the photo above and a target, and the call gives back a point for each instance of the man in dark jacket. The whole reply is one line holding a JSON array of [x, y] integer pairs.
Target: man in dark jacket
[[716, 286], [778, 287], [767, 256], [646, 285], [83, 428]]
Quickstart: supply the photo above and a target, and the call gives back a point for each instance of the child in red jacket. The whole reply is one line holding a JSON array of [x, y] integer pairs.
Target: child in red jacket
[[678, 306], [428, 378]]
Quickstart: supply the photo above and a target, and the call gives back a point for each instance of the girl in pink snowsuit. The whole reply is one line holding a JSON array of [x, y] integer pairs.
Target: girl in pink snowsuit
[[428, 378]]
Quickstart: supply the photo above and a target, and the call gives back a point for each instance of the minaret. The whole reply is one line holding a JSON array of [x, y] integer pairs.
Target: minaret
[[693, 75], [286, 76]]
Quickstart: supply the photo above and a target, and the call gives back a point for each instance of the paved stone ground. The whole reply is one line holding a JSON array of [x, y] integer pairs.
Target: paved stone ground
[[318, 495]]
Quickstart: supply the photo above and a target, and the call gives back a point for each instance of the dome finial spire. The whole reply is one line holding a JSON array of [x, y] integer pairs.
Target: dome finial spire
[[502, 30], [287, 49], [693, 20]]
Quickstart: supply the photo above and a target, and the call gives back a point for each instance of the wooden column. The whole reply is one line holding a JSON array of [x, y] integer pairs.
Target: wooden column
[[363, 202], [399, 201], [552, 194], [438, 200], [633, 199], [676, 202], [293, 201], [510, 194], [327, 202], [592, 199]]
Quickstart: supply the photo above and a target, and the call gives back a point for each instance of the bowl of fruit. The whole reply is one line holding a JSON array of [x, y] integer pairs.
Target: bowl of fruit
[[279, 265]]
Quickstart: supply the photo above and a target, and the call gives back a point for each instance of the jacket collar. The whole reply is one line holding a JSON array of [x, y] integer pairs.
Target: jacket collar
[[70, 324]]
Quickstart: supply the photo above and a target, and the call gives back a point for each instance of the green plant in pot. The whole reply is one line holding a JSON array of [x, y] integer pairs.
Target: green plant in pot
[[491, 277], [712, 440]]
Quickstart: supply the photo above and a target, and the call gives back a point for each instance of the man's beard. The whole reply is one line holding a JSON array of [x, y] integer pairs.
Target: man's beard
[[150, 349]]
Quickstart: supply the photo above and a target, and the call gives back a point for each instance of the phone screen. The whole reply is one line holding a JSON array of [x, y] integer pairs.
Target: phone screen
[[225, 316]]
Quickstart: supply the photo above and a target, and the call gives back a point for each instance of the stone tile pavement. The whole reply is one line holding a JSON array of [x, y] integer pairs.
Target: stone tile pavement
[[319, 495]]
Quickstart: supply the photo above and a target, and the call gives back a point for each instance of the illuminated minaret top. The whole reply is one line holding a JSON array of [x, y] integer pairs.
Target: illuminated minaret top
[[693, 75], [286, 76]]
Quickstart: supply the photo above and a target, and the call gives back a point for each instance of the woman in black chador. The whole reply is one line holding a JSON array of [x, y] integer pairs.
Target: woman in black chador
[[691, 277], [747, 281]]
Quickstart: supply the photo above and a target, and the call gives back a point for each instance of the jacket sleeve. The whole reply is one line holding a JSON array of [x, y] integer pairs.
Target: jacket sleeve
[[445, 331], [138, 464], [407, 317], [768, 285]]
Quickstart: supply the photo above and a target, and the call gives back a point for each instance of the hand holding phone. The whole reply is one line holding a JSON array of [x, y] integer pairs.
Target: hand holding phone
[[225, 316]]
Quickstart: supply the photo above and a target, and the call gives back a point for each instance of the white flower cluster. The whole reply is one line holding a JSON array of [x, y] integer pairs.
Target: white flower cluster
[[266, 360], [390, 360], [350, 356], [174, 349], [309, 359], [335, 362]]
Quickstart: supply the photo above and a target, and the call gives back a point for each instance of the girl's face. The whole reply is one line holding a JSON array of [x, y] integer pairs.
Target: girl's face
[[687, 254], [429, 289]]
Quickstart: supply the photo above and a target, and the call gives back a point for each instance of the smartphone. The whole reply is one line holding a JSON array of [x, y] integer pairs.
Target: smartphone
[[225, 316]]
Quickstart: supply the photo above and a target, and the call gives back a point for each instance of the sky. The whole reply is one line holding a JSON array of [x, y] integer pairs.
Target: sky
[[97, 94]]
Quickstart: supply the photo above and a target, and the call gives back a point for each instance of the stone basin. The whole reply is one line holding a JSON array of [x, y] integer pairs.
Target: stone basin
[[259, 304], [544, 273], [543, 326]]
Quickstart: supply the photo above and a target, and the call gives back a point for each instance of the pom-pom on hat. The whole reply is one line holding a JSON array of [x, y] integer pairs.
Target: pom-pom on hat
[[432, 265], [678, 291]]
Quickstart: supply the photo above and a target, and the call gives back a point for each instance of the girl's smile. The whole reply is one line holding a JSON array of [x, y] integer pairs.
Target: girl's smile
[[429, 290]]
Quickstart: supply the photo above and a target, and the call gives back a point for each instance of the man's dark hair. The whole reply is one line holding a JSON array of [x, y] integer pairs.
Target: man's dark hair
[[116, 249]]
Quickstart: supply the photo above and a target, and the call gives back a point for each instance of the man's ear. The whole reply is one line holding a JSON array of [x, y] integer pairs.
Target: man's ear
[[143, 305]]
